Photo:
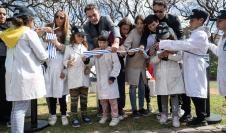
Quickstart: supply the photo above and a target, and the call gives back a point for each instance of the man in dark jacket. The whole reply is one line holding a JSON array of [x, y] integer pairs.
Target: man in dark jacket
[[5, 105], [98, 25]]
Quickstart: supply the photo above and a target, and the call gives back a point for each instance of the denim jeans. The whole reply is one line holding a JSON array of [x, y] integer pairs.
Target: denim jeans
[[141, 94]]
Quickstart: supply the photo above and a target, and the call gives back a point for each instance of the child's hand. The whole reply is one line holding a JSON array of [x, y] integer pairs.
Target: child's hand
[[111, 80], [71, 62], [62, 75]]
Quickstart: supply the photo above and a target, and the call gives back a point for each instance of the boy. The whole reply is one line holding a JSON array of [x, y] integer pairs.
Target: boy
[[194, 48]]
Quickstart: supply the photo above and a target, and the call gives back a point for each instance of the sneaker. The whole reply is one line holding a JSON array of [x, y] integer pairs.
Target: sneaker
[[176, 122], [185, 118], [114, 122], [121, 117], [197, 122], [8, 124], [181, 111], [223, 129], [75, 122], [143, 112], [64, 120], [86, 119], [52, 120], [103, 120], [163, 119], [136, 114]]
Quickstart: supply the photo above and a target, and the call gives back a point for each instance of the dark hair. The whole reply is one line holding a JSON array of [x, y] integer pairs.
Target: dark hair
[[160, 3], [90, 7], [20, 21], [102, 38], [150, 19], [72, 40], [125, 21], [139, 17]]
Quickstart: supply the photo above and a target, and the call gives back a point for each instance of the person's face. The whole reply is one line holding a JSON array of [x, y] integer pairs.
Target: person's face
[[196, 22], [221, 24], [93, 16], [159, 11], [152, 26], [30, 22], [2, 15], [124, 29], [79, 38], [102, 44], [140, 25], [60, 19]]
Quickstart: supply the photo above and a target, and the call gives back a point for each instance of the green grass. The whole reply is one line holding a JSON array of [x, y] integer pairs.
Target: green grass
[[218, 106]]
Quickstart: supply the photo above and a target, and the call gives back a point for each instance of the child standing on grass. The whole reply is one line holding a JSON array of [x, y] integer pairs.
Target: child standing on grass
[[78, 78], [107, 68], [168, 76]]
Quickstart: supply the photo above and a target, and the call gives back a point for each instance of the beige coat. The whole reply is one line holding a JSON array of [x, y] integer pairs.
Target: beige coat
[[75, 76], [24, 74], [107, 66], [135, 65], [168, 75]]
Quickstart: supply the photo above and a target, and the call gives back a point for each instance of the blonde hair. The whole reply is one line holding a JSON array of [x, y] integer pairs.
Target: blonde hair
[[65, 26]]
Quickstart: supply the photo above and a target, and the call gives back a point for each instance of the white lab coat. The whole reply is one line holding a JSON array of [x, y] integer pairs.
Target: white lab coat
[[76, 76], [168, 75], [194, 66], [107, 66], [24, 74], [221, 69]]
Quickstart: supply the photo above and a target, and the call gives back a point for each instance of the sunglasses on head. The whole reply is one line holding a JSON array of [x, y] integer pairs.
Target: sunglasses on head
[[60, 17], [158, 11]]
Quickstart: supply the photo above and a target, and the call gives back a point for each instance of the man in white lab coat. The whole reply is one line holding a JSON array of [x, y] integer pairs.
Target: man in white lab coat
[[220, 51], [194, 65]]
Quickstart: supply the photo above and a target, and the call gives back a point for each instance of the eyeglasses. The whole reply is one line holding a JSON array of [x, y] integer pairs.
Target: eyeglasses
[[60, 17], [158, 11], [2, 14]]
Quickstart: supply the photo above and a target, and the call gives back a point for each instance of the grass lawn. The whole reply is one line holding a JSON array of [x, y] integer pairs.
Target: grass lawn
[[145, 123]]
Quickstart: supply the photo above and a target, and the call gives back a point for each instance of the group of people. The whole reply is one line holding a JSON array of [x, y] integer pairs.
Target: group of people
[[56, 60]]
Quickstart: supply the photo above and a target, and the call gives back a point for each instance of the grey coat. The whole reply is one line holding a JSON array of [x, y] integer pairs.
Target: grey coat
[[105, 25]]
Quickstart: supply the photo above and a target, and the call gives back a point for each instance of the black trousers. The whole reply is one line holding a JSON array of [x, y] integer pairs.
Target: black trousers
[[185, 104], [53, 104], [4, 104], [121, 86], [200, 107]]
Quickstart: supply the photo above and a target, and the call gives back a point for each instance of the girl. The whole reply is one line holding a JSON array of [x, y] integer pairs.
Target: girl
[[168, 75], [24, 74], [107, 68], [78, 79], [135, 68], [54, 77]]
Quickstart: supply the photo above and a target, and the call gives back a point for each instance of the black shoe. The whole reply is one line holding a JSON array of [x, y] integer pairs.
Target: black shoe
[[86, 119], [197, 122], [75, 122], [136, 114], [185, 118], [143, 112]]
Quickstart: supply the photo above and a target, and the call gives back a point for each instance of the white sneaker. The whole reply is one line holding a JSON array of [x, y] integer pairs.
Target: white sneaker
[[52, 120], [103, 120], [163, 119], [64, 120], [176, 122], [223, 129], [181, 111], [121, 117], [114, 122]]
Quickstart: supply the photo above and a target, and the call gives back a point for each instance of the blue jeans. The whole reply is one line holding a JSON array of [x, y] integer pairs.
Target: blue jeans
[[141, 94], [19, 110]]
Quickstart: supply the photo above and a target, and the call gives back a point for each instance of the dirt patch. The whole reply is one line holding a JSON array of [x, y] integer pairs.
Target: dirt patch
[[214, 91]]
